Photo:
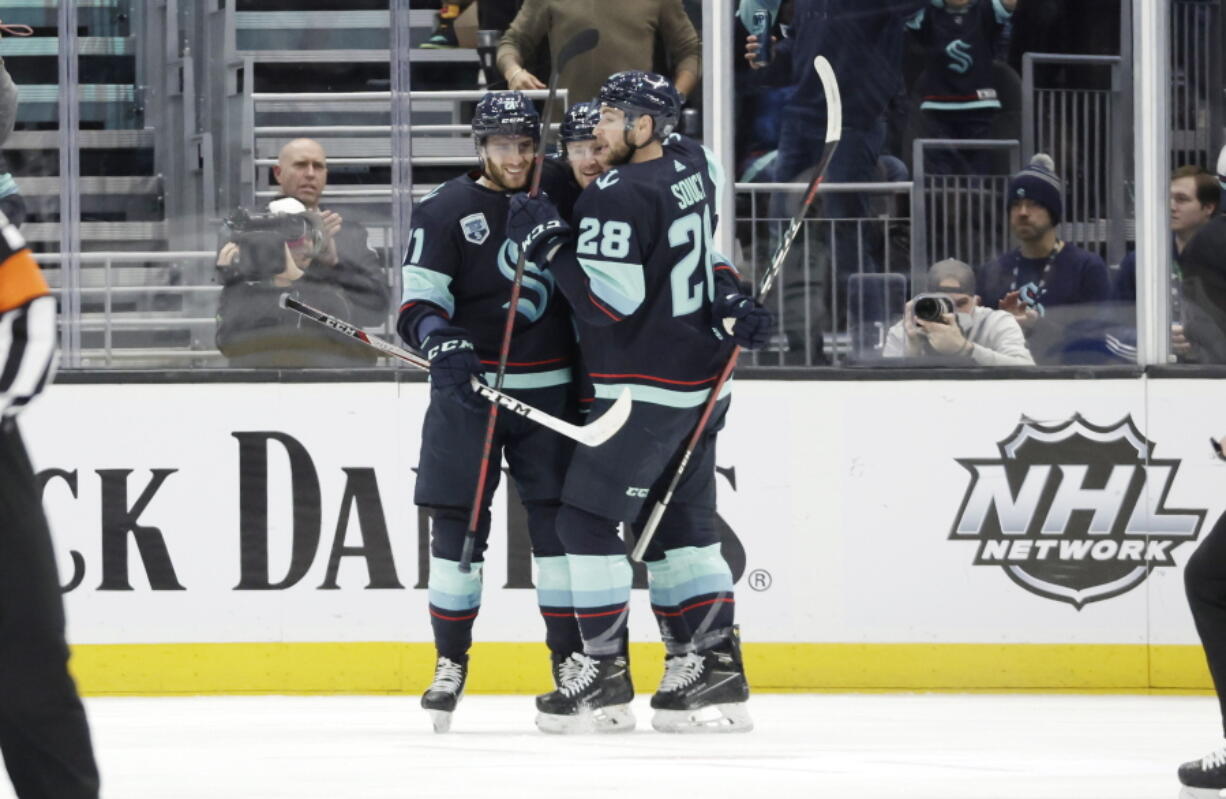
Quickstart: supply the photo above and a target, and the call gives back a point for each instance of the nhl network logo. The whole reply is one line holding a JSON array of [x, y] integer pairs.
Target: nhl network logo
[[1074, 512]]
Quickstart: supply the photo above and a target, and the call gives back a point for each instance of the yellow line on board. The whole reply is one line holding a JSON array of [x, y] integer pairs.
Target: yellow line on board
[[388, 667]]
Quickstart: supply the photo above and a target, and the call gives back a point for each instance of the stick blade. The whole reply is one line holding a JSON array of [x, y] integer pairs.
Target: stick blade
[[598, 431], [580, 43], [834, 101]]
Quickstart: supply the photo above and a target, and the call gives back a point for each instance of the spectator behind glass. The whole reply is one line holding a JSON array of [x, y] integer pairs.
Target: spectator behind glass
[[864, 44], [1050, 286], [1203, 263], [12, 204], [628, 29], [1195, 197], [958, 101], [335, 270], [972, 336]]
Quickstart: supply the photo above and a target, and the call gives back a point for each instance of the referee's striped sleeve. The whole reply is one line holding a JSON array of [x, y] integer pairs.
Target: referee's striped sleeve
[[27, 324]]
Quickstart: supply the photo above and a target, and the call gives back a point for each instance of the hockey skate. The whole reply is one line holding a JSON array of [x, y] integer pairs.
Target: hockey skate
[[1205, 777], [441, 698], [594, 696], [704, 692]]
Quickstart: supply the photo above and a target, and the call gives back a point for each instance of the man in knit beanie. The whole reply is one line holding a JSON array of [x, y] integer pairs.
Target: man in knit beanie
[[1050, 286]]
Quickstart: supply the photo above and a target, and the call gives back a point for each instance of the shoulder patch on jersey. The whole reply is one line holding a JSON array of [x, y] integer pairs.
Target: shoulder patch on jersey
[[677, 165], [476, 229], [607, 179]]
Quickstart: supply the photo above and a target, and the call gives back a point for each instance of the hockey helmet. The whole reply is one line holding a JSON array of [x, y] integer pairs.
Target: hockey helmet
[[505, 114], [637, 92], [580, 121]]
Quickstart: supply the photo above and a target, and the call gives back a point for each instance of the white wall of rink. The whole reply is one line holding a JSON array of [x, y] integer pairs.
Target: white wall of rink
[[846, 495]]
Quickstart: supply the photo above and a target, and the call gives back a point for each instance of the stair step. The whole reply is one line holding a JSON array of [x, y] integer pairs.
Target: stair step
[[87, 140], [317, 56], [47, 232], [137, 184], [308, 20], [14, 47], [12, 5], [86, 92]]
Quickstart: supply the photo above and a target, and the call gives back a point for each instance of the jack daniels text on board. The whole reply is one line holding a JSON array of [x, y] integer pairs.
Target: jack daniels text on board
[[361, 507]]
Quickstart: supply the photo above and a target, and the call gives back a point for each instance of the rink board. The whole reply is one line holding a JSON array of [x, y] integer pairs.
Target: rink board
[[884, 534]]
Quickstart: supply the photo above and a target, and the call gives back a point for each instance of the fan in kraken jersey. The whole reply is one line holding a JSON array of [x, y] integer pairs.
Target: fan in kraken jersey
[[458, 273], [641, 279]]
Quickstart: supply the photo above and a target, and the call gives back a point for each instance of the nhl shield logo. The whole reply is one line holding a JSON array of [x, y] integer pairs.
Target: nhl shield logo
[[1074, 512], [475, 228]]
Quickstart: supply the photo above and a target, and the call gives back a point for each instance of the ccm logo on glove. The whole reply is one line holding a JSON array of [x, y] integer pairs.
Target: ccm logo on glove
[[455, 345]]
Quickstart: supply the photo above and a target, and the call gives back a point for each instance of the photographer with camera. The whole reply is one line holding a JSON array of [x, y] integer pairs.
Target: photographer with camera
[[949, 325], [313, 253]]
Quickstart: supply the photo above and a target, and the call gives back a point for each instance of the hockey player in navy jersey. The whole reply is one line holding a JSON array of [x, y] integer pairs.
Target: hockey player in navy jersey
[[579, 146], [458, 272], [640, 276]]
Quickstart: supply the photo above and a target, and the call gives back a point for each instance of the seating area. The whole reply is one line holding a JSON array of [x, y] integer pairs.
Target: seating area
[[182, 108]]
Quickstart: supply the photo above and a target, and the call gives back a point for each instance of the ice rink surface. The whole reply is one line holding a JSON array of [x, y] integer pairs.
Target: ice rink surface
[[804, 745]]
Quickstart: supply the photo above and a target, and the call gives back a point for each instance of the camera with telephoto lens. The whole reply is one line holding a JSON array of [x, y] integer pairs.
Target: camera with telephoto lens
[[932, 307], [261, 240]]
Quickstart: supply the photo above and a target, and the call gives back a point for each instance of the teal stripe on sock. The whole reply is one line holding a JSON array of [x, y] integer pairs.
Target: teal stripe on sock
[[451, 589], [605, 580], [687, 572], [553, 582]]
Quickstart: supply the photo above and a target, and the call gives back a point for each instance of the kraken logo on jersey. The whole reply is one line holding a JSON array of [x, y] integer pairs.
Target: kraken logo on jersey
[[959, 53], [536, 281]]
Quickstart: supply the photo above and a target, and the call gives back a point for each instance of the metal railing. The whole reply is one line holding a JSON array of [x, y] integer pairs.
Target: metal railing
[[110, 320], [1197, 99], [958, 216], [818, 296], [258, 103], [1083, 131]]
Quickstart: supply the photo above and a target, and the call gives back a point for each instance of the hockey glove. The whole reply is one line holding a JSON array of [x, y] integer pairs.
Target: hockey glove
[[744, 317], [535, 223], [453, 365]]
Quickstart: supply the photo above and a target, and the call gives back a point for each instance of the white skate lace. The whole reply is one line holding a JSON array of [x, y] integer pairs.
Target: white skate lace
[[681, 672], [580, 675], [1213, 760], [568, 670], [448, 676]]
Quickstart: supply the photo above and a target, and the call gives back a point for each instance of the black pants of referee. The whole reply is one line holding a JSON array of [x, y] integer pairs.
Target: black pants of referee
[[1204, 578], [43, 733]]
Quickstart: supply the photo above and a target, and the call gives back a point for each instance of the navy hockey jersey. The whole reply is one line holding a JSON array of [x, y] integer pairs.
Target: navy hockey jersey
[[460, 263], [639, 276], [960, 45]]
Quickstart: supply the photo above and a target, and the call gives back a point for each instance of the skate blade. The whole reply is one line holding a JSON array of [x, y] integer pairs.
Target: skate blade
[[441, 719], [1201, 793], [612, 719], [728, 717]]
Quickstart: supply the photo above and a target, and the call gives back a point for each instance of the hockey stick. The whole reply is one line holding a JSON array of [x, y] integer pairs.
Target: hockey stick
[[581, 42], [592, 434], [834, 128]]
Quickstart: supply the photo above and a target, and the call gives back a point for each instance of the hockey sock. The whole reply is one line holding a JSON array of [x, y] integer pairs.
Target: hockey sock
[[553, 594], [455, 598], [691, 594], [600, 578]]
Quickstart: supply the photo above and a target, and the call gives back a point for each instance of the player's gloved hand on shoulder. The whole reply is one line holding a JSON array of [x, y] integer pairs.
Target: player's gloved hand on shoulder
[[745, 319], [535, 223], [453, 365]]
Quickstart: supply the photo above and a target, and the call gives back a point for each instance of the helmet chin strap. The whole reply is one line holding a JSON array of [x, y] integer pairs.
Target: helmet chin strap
[[626, 136]]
